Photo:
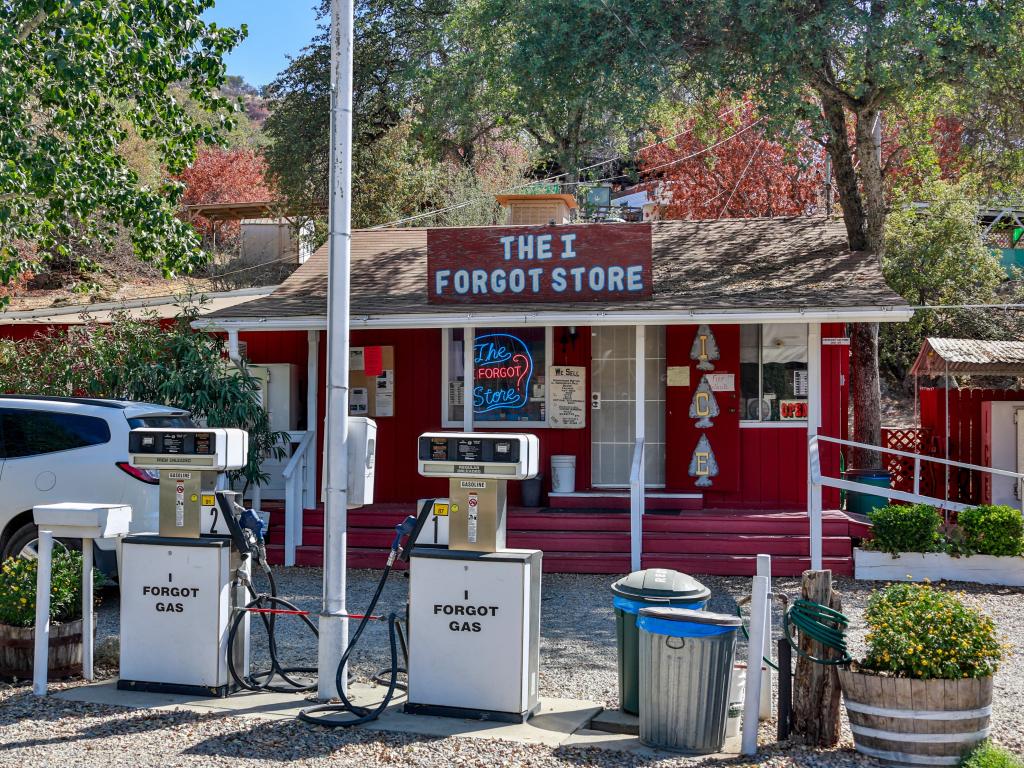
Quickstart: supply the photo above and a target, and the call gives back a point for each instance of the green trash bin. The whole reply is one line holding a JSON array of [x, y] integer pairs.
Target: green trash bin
[[653, 587], [863, 503]]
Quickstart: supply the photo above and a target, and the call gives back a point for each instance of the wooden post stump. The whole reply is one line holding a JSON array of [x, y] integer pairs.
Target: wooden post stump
[[816, 692]]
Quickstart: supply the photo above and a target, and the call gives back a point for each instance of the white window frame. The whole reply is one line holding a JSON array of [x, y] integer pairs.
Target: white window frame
[[758, 423], [446, 423]]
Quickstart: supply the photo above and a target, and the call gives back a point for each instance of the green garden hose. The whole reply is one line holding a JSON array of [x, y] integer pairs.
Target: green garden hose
[[821, 624], [818, 622]]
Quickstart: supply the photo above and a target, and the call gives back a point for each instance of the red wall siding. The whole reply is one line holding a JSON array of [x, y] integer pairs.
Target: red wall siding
[[681, 435]]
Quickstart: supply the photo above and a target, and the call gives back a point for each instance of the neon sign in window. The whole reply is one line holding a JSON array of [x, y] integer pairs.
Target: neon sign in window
[[503, 368], [508, 375]]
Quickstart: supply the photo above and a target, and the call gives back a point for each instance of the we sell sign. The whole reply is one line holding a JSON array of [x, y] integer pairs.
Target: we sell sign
[[590, 262]]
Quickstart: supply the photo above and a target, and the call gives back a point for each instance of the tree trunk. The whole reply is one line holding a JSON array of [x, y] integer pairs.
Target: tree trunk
[[865, 391], [816, 689], [841, 154]]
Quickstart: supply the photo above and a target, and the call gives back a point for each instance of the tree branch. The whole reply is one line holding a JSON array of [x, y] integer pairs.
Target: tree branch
[[31, 26]]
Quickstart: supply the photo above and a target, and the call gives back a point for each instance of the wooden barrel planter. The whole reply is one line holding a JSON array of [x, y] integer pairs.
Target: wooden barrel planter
[[906, 722], [17, 649]]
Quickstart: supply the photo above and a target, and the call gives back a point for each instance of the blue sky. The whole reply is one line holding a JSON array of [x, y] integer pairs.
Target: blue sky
[[277, 29]]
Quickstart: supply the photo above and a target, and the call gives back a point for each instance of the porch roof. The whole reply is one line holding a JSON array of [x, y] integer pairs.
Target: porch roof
[[797, 268], [939, 357]]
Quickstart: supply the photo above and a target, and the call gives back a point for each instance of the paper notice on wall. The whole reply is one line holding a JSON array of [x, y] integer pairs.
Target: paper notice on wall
[[359, 402], [568, 390], [386, 381], [721, 382], [384, 405], [356, 359], [678, 376], [373, 360]]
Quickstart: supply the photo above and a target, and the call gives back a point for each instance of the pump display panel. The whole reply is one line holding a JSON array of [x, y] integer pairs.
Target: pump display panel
[[505, 456], [167, 448]]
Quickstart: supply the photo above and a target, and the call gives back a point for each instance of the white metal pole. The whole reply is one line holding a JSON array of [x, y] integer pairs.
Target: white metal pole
[[468, 357], [764, 568], [333, 621], [312, 419], [87, 629], [814, 396], [40, 661], [752, 695], [636, 528]]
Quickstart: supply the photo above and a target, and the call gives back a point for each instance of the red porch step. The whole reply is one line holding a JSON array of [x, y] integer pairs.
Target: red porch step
[[719, 542]]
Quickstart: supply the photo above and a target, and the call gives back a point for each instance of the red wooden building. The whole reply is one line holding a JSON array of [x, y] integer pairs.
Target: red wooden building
[[734, 331]]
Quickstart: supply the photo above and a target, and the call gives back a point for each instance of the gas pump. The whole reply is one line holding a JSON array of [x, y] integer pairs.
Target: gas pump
[[179, 588], [474, 608]]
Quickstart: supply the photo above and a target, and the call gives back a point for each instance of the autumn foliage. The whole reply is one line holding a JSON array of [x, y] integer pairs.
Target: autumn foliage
[[225, 176], [730, 169]]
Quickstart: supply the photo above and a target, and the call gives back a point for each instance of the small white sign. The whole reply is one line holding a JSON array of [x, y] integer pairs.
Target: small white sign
[[359, 402], [721, 382], [384, 404], [800, 383], [835, 341], [356, 359], [568, 390], [678, 376]]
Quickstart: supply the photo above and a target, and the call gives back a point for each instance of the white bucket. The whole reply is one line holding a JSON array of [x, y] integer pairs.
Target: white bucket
[[563, 474], [737, 686]]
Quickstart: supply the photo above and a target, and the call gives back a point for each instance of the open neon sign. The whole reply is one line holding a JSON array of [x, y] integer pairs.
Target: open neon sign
[[503, 368]]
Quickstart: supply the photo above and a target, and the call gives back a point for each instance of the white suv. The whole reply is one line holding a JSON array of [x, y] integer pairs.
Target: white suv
[[55, 449]]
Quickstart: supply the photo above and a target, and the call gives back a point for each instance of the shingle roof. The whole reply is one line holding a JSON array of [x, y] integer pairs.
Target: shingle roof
[[733, 265], [970, 356]]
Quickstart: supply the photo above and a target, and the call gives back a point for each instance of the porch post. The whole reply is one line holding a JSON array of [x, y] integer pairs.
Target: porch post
[[813, 425], [639, 483], [468, 338], [310, 495]]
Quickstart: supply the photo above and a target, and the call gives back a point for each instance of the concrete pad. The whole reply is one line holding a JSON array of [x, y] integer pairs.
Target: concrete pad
[[616, 721], [553, 724]]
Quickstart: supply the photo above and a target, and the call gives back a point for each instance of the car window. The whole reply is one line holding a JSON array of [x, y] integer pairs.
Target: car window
[[30, 433], [157, 422]]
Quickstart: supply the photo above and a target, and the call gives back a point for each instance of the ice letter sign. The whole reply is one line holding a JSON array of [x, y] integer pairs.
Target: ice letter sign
[[495, 265]]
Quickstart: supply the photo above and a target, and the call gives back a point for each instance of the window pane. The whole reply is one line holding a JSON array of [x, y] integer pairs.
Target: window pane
[[30, 433], [749, 351], [508, 375], [784, 370]]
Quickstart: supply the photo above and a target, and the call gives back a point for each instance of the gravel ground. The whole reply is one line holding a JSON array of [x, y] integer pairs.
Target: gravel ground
[[577, 661]]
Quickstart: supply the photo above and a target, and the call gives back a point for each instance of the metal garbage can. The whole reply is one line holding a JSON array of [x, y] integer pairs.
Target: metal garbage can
[[642, 589], [686, 663]]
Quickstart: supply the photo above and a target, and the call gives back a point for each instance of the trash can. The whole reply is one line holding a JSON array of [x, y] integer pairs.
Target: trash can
[[641, 589], [529, 491], [686, 667], [863, 503], [563, 474]]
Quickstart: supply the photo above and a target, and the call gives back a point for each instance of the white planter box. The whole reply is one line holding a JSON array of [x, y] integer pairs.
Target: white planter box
[[938, 566]]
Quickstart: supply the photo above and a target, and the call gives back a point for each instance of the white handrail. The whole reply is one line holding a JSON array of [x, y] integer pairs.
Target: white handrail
[[814, 460], [636, 505], [294, 475]]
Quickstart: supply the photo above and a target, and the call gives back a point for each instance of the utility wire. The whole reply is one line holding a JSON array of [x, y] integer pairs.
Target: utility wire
[[739, 181], [528, 184]]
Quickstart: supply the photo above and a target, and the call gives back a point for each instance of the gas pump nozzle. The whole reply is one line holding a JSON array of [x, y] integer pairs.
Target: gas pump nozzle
[[410, 530], [244, 525]]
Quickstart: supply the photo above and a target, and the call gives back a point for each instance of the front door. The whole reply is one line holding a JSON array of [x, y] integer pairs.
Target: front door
[[613, 420]]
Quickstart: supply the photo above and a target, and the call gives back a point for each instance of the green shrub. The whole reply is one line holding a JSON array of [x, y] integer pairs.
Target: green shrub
[[989, 755], [990, 530], [918, 631], [905, 529], [18, 589]]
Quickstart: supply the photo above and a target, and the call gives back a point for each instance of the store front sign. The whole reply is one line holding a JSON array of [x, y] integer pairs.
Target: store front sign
[[511, 265], [502, 369]]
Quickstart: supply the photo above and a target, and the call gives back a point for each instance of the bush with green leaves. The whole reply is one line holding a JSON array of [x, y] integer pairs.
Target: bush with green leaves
[[989, 755], [900, 528], [143, 359], [992, 530], [922, 632], [18, 588]]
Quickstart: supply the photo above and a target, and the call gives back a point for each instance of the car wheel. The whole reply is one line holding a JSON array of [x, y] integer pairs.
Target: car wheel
[[24, 542]]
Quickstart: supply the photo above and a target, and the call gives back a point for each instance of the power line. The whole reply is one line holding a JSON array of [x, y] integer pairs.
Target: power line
[[739, 181], [509, 190]]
